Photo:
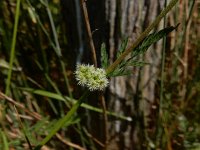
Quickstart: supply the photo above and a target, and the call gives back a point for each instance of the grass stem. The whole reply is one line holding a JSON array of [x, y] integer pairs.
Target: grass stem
[[12, 53]]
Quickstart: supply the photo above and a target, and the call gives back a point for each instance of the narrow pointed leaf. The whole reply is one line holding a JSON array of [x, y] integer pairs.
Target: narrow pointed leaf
[[151, 39], [122, 47], [104, 56]]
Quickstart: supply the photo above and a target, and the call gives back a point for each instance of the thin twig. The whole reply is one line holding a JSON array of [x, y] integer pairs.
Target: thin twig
[[69, 143], [93, 138], [105, 118], [87, 23]]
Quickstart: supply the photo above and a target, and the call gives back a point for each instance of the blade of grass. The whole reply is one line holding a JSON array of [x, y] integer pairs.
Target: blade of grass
[[63, 98], [12, 53], [160, 120]]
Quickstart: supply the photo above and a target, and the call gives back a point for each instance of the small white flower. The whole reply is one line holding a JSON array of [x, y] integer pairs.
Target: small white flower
[[91, 77]]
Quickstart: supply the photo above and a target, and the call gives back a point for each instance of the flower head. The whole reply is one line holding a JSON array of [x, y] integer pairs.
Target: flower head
[[91, 77]]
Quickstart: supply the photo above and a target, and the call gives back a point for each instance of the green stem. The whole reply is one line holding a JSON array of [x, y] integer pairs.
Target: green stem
[[63, 120], [162, 67], [12, 54], [142, 36], [160, 121]]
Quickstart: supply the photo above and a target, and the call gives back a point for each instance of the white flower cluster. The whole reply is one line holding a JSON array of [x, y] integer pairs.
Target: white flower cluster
[[91, 77]]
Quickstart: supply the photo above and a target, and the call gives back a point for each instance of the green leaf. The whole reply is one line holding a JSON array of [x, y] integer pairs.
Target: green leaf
[[104, 56], [151, 39], [124, 69], [136, 63], [120, 72], [122, 47]]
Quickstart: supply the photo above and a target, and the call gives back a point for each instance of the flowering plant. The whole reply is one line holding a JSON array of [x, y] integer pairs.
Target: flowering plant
[[95, 78], [91, 77]]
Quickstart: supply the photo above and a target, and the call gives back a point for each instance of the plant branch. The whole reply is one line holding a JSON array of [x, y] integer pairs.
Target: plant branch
[[142, 36]]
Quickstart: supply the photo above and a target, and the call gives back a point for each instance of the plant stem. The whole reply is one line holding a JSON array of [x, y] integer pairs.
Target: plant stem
[[142, 36], [63, 121], [12, 54], [87, 23], [105, 118], [160, 118]]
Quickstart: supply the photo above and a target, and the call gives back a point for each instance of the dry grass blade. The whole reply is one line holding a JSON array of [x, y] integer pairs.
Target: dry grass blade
[[69, 143], [21, 106]]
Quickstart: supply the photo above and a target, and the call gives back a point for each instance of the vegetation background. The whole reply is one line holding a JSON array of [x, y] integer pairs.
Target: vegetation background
[[162, 98]]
